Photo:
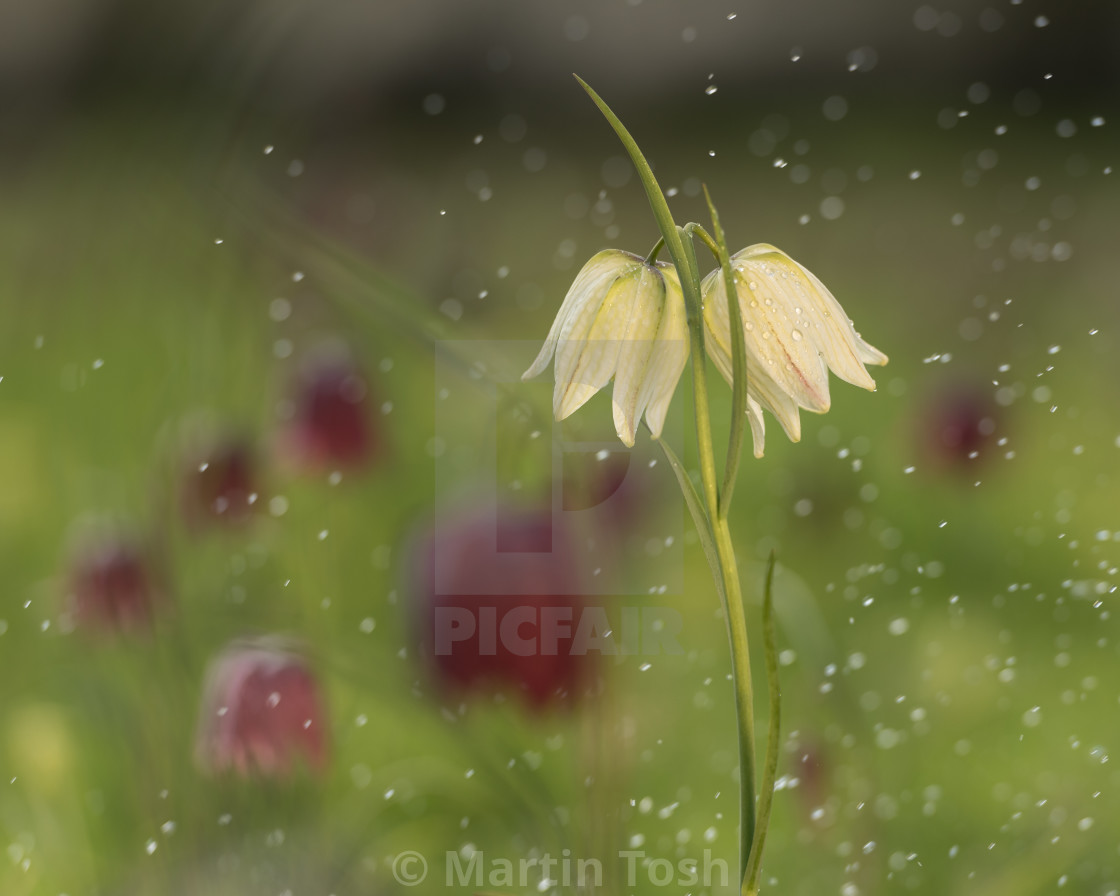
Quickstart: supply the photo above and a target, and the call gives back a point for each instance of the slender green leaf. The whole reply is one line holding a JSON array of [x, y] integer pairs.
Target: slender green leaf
[[656, 197]]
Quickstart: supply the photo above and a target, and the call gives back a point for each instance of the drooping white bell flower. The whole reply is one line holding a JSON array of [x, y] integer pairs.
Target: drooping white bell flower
[[621, 318], [795, 332]]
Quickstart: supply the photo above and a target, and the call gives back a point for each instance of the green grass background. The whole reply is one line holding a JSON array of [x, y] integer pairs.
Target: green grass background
[[966, 750]]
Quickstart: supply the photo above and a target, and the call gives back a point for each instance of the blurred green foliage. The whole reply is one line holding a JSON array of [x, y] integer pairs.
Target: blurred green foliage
[[949, 648]]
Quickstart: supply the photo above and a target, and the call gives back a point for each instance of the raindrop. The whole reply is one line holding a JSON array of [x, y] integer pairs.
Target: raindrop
[[534, 159], [835, 108], [949, 24], [576, 28], [761, 142], [279, 309], [616, 172], [978, 93], [862, 59], [926, 18], [513, 128], [991, 20]]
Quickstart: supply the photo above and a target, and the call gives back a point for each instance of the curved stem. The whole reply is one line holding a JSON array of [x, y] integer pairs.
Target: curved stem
[[739, 403], [678, 240], [731, 592], [773, 737], [744, 698], [690, 282], [655, 251]]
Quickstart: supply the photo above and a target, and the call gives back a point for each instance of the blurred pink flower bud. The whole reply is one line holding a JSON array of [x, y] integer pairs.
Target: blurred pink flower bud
[[497, 601], [219, 484], [330, 426], [111, 585], [262, 712], [957, 426]]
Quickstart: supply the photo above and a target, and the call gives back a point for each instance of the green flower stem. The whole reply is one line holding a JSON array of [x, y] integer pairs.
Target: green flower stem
[[731, 592], [718, 247], [773, 737], [690, 282], [679, 243], [744, 696], [738, 361]]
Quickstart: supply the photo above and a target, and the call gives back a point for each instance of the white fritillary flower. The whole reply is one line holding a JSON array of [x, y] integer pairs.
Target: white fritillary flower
[[622, 318], [795, 333]]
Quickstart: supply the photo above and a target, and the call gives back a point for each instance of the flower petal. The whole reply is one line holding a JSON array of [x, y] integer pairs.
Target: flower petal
[[669, 356], [590, 285], [795, 333], [758, 425], [772, 300], [832, 332], [587, 360], [634, 352]]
